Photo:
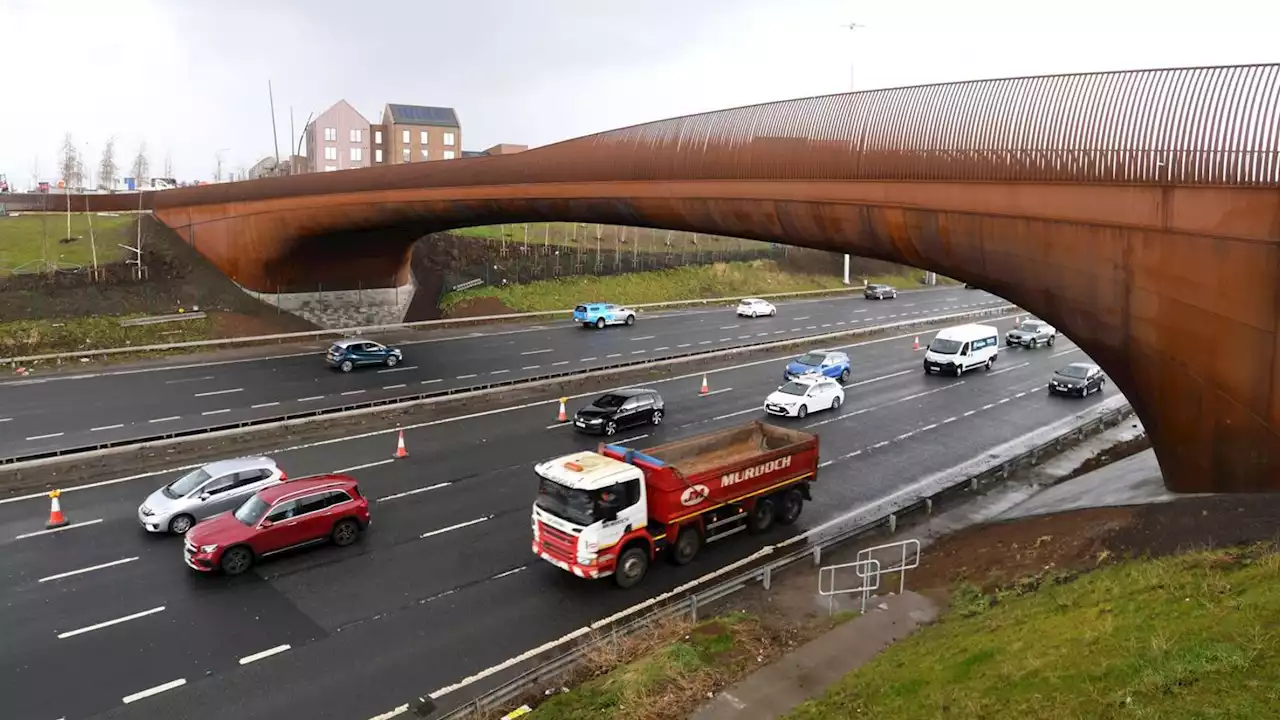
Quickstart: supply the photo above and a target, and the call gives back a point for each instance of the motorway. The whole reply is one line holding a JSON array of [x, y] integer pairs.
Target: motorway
[[103, 620], [56, 412]]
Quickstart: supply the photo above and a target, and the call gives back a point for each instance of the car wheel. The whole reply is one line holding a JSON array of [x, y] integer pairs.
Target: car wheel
[[959, 370], [762, 516], [657, 417], [773, 312], [631, 319], [844, 376], [1051, 339], [180, 524], [392, 360], [790, 505], [1035, 343], [610, 427], [688, 543], [346, 366], [599, 323], [633, 563], [236, 560], [803, 411], [345, 532], [991, 361], [835, 403]]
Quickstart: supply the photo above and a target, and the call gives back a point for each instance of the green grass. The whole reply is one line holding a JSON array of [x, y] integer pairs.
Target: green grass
[[691, 282], [36, 337], [1192, 636], [564, 233], [26, 241]]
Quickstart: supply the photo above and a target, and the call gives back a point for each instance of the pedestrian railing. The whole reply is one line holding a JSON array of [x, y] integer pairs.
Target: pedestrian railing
[[867, 572]]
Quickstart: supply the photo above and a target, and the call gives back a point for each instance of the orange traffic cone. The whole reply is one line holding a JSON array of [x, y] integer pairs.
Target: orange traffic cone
[[563, 416], [400, 451], [704, 389], [56, 518], [915, 344]]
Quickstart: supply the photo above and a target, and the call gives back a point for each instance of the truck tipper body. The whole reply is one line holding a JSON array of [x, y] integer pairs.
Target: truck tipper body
[[612, 511]]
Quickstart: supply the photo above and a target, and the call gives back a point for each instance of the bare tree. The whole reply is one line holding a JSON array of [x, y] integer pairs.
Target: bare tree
[[107, 167], [217, 167], [68, 161], [141, 166], [168, 163]]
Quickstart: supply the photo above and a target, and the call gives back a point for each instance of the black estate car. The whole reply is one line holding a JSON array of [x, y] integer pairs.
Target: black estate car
[[619, 409], [1079, 379]]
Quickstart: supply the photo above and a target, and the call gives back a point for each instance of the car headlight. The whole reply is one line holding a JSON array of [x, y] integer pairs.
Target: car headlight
[[146, 510], [208, 548]]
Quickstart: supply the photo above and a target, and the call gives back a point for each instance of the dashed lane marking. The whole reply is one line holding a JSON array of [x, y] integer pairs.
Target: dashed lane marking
[[109, 623], [264, 654], [459, 526], [82, 571], [58, 530], [219, 392], [536, 352], [415, 491], [399, 369], [154, 691]]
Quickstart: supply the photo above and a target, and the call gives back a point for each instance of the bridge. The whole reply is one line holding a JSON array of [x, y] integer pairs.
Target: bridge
[[1139, 212]]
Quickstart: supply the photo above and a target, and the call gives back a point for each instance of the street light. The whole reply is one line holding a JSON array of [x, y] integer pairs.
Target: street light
[[851, 27]]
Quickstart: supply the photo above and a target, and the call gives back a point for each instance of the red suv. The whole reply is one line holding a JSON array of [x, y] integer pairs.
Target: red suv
[[280, 517]]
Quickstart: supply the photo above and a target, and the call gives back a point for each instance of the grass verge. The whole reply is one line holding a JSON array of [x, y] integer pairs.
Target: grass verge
[[564, 234], [34, 337], [758, 277], [27, 241], [1184, 636]]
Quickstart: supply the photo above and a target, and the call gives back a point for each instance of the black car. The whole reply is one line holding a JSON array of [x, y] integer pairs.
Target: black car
[[1077, 379], [619, 409], [970, 286], [880, 292]]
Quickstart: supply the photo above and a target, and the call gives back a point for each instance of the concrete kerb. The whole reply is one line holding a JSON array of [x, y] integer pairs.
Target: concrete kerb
[[989, 468], [556, 382]]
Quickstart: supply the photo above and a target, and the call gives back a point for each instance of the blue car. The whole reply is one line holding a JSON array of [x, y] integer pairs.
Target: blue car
[[830, 363], [601, 314], [349, 353]]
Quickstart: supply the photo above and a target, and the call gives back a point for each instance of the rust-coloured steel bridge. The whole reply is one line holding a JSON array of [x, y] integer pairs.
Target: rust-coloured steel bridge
[[1139, 212]]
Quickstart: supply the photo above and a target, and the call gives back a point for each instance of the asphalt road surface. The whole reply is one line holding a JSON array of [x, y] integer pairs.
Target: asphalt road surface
[[54, 412], [104, 620]]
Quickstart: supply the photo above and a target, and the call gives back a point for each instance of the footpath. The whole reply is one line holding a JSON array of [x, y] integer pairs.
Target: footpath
[[807, 672]]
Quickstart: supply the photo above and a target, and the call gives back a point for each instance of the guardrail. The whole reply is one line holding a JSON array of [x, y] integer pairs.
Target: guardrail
[[689, 601], [374, 329], [275, 421]]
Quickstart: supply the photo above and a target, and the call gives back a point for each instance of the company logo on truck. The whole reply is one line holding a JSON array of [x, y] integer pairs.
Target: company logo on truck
[[734, 478], [694, 494]]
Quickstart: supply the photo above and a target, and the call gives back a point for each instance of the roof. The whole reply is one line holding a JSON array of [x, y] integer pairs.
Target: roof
[[474, 153], [751, 300], [224, 467], [423, 115], [630, 392], [589, 470], [305, 485], [969, 331], [1080, 364], [349, 341]]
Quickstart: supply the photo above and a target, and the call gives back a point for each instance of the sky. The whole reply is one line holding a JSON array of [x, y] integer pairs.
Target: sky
[[190, 79]]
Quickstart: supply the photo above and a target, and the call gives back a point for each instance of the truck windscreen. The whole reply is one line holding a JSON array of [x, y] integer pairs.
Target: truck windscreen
[[576, 506]]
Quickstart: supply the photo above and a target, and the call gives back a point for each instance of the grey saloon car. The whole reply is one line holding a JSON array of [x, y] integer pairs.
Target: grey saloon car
[[205, 491]]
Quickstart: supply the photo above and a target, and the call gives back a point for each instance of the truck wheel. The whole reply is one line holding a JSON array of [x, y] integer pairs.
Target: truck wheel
[[792, 502], [633, 563], [688, 543], [762, 516]]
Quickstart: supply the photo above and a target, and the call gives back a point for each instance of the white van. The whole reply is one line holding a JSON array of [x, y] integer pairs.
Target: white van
[[960, 348]]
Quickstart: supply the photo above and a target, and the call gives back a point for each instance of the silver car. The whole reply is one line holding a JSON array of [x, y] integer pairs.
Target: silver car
[[209, 490]]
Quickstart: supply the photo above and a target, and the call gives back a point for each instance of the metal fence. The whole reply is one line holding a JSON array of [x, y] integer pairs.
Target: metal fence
[[689, 602]]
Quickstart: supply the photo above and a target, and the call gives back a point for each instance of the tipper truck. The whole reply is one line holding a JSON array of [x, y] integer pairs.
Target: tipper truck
[[611, 511]]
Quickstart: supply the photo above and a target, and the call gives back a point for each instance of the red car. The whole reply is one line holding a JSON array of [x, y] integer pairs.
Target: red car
[[280, 517]]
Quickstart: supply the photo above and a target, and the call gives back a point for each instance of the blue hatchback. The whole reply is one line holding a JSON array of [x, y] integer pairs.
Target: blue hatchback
[[831, 363], [349, 353], [600, 314]]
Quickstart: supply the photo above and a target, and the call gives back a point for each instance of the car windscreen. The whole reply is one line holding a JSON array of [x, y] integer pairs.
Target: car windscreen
[[812, 358], [576, 506], [944, 346], [252, 510], [794, 388], [610, 401], [185, 484], [1074, 371], [1029, 327]]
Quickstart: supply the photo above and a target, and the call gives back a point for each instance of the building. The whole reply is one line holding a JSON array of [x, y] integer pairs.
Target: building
[[338, 139], [499, 149], [417, 133], [266, 167]]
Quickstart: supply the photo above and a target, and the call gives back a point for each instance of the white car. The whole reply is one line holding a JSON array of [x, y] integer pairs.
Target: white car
[[803, 395], [755, 307]]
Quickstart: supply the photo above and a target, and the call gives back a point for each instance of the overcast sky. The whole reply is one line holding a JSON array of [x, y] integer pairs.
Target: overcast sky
[[190, 78]]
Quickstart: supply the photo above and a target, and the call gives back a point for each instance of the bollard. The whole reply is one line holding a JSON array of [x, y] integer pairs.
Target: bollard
[[693, 607], [893, 523], [817, 556], [767, 578], [928, 506]]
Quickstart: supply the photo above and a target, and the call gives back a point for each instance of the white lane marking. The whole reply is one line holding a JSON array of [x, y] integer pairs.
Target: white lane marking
[[953, 418], [1002, 401], [988, 406], [586, 359], [397, 387], [826, 324], [46, 437], [613, 355], [530, 367], [684, 345], [309, 399], [415, 491], [858, 311], [967, 413], [351, 392], [1011, 367], [660, 349], [536, 352], [64, 527], [778, 332], [642, 337], [735, 414], [184, 380], [724, 339], [219, 392], [842, 322], [811, 327], [216, 412], [466, 377], [1021, 394], [1064, 352], [903, 436], [909, 305], [565, 362], [825, 463], [402, 368], [705, 342], [263, 405], [117, 426], [495, 372], [165, 419], [362, 467], [81, 571], [264, 654], [630, 439], [715, 392], [109, 623], [468, 523], [397, 710], [744, 337], [927, 428], [730, 327], [154, 691], [880, 444], [638, 352], [802, 317], [428, 382], [509, 572], [5, 419]]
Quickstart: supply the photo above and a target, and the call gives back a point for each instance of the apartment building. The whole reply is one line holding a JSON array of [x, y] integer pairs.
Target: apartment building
[[339, 139], [419, 133]]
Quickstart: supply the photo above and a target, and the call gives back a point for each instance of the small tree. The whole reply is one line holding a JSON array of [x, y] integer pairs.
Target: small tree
[[67, 161], [141, 166], [107, 167]]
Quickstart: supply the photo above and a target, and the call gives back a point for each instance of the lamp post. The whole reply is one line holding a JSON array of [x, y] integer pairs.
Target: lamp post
[[852, 27]]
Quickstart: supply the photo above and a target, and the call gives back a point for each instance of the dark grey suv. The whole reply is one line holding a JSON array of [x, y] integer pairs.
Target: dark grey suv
[[880, 292], [620, 409]]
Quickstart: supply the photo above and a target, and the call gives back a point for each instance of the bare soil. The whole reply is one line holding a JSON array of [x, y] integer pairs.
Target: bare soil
[[1113, 454], [478, 307]]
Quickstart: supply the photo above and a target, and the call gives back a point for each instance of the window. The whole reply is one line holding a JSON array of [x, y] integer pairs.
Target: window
[[283, 511], [404, 154], [330, 168], [356, 135], [422, 137], [357, 154], [448, 138], [331, 134], [331, 153], [377, 155], [249, 477], [313, 503], [426, 154], [448, 154], [377, 137], [405, 137], [222, 484]]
